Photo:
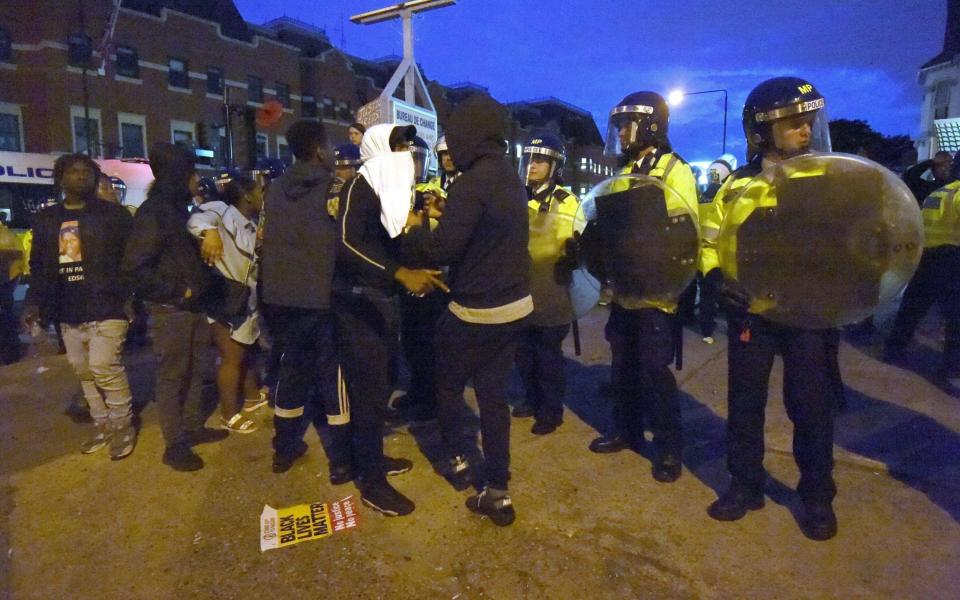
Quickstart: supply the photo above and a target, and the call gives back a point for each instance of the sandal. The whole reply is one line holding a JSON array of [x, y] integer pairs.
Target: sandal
[[238, 424], [252, 404]]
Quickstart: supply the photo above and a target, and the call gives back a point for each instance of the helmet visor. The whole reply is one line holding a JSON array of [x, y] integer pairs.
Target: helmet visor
[[801, 132], [539, 165], [419, 155]]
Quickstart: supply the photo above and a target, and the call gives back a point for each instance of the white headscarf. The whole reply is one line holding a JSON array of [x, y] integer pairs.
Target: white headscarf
[[390, 174]]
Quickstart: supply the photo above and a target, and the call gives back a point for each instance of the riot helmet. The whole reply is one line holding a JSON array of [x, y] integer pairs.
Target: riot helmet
[[637, 122], [119, 187], [347, 155], [444, 157], [224, 177], [420, 151], [785, 115], [267, 170], [542, 160]]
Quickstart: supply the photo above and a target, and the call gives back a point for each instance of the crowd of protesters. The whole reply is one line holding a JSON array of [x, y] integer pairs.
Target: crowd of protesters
[[328, 268]]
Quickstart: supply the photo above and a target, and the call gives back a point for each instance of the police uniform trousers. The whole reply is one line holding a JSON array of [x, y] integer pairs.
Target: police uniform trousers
[[645, 390], [541, 365], [368, 334], [307, 389], [483, 353], [418, 325], [937, 280], [810, 395], [710, 285]]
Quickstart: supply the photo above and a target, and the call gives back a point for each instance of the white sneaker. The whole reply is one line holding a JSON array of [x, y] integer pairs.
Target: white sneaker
[[708, 339]]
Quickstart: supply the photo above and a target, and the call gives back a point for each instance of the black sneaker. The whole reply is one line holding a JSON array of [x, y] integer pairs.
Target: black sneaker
[[283, 462], [181, 458], [384, 499], [500, 510], [667, 467], [607, 444], [734, 504], [544, 427], [522, 412], [458, 473], [340, 474], [204, 435], [818, 522], [396, 466]]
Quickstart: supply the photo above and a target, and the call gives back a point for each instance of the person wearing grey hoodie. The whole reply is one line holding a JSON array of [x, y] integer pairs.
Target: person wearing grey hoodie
[[297, 260]]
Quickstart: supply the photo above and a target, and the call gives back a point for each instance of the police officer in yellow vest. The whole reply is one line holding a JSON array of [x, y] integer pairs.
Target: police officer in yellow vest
[[552, 210], [448, 170], [643, 337], [783, 117], [937, 280]]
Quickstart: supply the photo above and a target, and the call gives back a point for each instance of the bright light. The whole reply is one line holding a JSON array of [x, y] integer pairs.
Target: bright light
[[675, 98]]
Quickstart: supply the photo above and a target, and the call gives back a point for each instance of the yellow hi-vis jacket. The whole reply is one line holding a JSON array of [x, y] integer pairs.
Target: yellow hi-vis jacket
[[676, 175], [552, 211], [941, 217]]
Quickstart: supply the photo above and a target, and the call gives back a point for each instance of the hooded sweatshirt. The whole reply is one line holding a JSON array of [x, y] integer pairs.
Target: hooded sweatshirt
[[161, 257], [483, 233], [299, 239]]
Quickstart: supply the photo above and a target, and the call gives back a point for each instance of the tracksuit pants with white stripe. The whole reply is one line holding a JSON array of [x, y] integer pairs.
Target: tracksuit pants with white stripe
[[309, 389]]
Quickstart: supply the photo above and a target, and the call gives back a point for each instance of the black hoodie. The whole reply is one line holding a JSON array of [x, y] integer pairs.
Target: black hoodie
[[483, 233], [299, 239], [161, 257]]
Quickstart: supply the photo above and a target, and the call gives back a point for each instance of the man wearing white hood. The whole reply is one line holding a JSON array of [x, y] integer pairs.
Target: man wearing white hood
[[374, 208]]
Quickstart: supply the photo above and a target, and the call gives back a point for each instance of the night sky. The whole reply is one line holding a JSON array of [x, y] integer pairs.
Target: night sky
[[863, 55]]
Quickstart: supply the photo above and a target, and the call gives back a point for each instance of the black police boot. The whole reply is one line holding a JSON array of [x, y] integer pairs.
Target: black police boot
[[734, 504], [607, 444], [667, 466], [818, 521], [341, 473]]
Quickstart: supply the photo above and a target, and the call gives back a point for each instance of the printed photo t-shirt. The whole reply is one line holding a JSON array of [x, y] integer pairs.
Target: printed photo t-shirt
[[73, 291]]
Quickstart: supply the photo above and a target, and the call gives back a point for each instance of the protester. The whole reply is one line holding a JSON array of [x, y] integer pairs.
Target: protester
[[483, 237], [235, 321], [355, 133], [299, 245], [76, 281], [940, 169], [163, 260]]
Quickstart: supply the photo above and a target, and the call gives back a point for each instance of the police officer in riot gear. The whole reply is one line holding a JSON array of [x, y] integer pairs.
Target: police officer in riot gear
[[448, 170], [540, 353], [783, 117], [346, 161], [643, 335]]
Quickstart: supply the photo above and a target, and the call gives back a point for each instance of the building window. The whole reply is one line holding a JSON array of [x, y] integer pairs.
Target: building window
[[283, 151], [262, 146], [179, 75], [941, 100], [343, 112], [215, 80], [6, 46], [308, 107], [328, 111], [11, 134], [283, 94], [254, 89], [128, 62], [133, 135], [183, 133], [81, 128], [79, 49]]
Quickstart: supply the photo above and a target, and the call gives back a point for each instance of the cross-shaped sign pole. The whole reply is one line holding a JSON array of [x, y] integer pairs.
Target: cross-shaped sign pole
[[407, 70]]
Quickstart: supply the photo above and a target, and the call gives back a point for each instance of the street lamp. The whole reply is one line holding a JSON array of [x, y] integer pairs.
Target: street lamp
[[675, 98]]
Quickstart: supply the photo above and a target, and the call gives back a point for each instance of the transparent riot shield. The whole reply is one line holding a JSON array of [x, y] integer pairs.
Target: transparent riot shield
[[549, 231], [640, 236], [821, 240]]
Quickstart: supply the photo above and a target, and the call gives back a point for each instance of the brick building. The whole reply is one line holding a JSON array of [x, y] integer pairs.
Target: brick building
[[172, 63]]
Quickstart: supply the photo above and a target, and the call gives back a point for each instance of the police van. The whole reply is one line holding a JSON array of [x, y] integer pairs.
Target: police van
[[26, 183]]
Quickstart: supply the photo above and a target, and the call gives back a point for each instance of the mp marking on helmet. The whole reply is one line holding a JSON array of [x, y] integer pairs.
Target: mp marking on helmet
[[805, 88]]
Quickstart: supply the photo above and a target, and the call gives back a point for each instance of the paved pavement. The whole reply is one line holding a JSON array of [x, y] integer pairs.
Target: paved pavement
[[589, 526]]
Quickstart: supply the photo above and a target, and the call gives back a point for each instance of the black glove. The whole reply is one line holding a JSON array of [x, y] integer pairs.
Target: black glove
[[734, 298], [590, 250]]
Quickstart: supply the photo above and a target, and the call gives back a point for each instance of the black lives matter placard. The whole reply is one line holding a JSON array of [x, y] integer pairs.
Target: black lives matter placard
[[280, 527]]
